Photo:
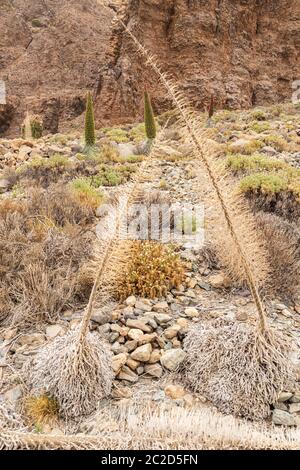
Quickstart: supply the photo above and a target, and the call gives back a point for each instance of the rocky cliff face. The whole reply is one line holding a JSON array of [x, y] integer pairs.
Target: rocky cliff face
[[50, 52], [245, 52]]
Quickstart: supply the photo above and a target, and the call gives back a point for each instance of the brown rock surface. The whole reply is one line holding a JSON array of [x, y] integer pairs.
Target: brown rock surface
[[50, 52], [245, 52]]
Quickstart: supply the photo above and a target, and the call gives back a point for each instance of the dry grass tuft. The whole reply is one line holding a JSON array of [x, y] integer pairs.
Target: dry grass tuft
[[153, 270], [78, 374], [241, 371], [42, 247], [41, 409], [283, 239], [48, 204]]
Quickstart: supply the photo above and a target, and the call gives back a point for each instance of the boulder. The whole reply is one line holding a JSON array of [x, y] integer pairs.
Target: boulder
[[172, 359], [154, 370], [142, 353]]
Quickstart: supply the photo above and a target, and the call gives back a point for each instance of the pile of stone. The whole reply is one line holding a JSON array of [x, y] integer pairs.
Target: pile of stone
[[146, 344], [287, 409]]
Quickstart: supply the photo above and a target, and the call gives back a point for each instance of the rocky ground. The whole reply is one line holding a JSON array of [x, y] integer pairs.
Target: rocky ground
[[146, 335]]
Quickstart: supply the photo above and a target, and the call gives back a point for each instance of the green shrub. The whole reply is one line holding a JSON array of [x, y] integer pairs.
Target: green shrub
[[138, 133], [247, 148], [132, 159], [277, 142], [254, 162], [36, 23], [259, 115], [85, 193], [265, 183], [55, 161], [106, 177], [259, 127], [150, 125], [90, 138], [117, 135]]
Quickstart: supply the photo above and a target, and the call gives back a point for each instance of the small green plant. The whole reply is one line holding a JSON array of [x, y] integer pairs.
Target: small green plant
[[132, 159], [32, 127], [59, 139], [36, 23], [90, 136], [55, 161], [106, 177], [109, 154], [117, 135], [38, 429], [264, 183], [150, 125], [163, 184], [259, 127], [86, 194], [224, 115], [254, 162], [138, 133], [259, 115], [277, 142]]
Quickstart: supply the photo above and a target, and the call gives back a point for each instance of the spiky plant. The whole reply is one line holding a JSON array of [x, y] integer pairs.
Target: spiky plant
[[76, 368], [89, 126], [211, 107], [261, 339], [41, 409], [150, 125], [32, 127], [153, 270]]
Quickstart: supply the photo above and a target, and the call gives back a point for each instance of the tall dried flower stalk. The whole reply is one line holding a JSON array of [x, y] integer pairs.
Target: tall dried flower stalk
[[250, 389], [76, 368]]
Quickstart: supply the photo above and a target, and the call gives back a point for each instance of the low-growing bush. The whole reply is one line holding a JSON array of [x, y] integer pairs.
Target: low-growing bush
[[239, 163], [265, 183], [259, 127], [43, 243], [138, 133], [259, 115], [153, 270], [118, 135], [85, 193], [277, 142], [247, 148]]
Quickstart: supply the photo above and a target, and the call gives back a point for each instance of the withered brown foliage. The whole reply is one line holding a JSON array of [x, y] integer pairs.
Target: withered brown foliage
[[283, 239], [44, 239], [283, 204]]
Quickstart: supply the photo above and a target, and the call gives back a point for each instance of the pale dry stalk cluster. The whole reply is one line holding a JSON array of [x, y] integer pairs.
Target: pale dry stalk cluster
[[240, 367], [245, 360], [146, 427], [76, 368]]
